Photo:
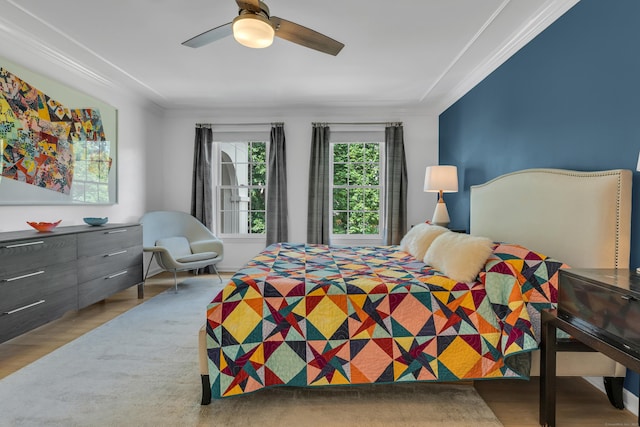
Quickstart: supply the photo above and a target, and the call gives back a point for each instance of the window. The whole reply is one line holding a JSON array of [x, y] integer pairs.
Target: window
[[356, 193], [242, 184], [91, 171]]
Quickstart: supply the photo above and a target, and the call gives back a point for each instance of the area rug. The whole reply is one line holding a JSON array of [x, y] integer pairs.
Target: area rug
[[141, 369]]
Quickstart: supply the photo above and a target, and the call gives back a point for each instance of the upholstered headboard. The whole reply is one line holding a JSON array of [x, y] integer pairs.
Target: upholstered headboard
[[580, 218]]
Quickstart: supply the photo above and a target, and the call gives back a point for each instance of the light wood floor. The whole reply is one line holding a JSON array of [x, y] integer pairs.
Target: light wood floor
[[514, 402]]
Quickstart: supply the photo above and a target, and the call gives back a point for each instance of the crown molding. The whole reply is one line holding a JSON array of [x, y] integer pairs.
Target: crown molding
[[44, 50], [549, 13], [26, 41]]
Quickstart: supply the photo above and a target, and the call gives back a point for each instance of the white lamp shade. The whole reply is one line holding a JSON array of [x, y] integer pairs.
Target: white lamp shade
[[253, 31], [638, 165], [441, 178]]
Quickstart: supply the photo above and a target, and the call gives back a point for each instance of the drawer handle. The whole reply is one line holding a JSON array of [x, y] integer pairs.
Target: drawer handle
[[24, 308], [24, 276], [115, 253], [117, 274], [628, 297], [19, 245], [115, 231]]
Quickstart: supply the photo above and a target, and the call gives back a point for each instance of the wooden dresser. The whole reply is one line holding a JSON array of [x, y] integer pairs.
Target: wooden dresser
[[44, 275]]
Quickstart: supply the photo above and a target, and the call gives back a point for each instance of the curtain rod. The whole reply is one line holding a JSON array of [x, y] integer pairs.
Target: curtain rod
[[209, 125], [357, 123], [238, 124]]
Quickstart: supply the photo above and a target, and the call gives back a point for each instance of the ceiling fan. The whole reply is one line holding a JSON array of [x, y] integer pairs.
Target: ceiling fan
[[254, 27]]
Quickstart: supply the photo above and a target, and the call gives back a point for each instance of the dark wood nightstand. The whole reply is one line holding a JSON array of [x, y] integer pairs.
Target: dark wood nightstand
[[458, 230], [600, 309]]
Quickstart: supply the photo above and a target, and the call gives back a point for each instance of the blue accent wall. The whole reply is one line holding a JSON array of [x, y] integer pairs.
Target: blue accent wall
[[569, 99]]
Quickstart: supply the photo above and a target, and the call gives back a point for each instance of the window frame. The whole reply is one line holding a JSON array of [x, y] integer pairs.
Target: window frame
[[241, 137], [357, 138]]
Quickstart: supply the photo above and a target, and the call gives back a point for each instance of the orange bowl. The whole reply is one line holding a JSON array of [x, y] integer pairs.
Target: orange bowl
[[44, 226]]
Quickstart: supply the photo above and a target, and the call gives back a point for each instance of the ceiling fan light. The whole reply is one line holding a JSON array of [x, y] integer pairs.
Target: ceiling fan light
[[253, 31]]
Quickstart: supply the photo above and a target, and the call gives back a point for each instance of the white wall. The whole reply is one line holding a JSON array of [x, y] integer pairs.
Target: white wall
[[171, 169]]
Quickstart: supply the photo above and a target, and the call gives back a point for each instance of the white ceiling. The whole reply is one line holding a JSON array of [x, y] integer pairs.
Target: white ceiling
[[404, 53]]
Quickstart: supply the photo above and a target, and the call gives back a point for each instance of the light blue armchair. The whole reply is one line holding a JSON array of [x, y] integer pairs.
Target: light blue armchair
[[179, 242]]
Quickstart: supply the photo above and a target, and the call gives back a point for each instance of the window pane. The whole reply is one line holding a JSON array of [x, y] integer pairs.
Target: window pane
[[229, 152], [79, 191], [356, 223], [341, 153], [79, 171], [103, 193], [258, 174], [356, 174], [339, 223], [340, 199], [356, 199], [371, 222], [257, 199], [372, 200], [257, 222], [372, 152], [356, 152], [258, 152], [340, 174], [372, 173]]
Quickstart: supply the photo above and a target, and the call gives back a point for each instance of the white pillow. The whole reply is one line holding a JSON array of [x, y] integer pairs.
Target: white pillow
[[459, 256], [419, 238]]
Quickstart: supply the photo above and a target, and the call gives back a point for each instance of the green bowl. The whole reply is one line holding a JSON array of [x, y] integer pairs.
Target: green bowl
[[96, 221]]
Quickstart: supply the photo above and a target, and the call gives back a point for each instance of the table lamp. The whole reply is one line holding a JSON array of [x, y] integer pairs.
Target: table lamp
[[441, 179]]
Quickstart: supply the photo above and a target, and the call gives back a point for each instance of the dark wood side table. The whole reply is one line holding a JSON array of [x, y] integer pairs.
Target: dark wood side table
[[599, 309]]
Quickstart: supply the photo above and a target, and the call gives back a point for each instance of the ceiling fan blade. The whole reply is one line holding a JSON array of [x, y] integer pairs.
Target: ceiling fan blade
[[252, 5], [305, 37], [210, 36]]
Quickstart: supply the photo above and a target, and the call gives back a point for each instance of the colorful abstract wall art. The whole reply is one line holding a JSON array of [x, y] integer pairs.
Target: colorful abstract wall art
[[43, 142]]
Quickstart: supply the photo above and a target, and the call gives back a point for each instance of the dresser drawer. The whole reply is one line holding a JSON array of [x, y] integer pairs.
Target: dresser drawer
[[39, 271], [96, 266], [25, 287], [98, 289], [108, 240], [41, 310], [21, 255]]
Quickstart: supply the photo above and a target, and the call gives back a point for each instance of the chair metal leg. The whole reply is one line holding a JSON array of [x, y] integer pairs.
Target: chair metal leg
[[216, 270], [175, 280]]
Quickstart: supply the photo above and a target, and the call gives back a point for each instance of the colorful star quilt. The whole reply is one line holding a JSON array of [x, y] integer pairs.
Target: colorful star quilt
[[316, 315]]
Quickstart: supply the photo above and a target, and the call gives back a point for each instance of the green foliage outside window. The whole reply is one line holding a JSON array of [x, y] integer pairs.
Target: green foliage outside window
[[356, 188], [258, 182]]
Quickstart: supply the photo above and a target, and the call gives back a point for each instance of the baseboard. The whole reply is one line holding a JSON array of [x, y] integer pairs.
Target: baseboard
[[630, 400]]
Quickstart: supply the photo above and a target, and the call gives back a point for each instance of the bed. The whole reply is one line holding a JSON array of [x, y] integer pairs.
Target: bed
[[316, 315]]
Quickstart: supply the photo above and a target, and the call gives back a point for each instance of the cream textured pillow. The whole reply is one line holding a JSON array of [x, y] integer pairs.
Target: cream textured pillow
[[459, 256], [419, 238]]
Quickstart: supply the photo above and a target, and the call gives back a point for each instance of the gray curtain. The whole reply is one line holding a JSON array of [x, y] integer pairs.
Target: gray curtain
[[395, 185], [318, 202], [277, 213], [202, 188]]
